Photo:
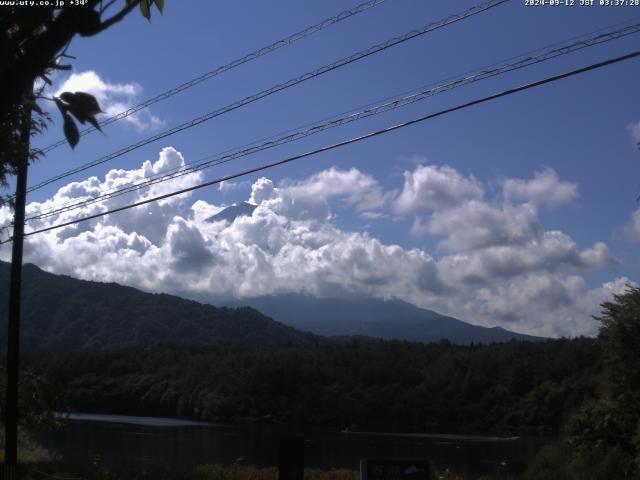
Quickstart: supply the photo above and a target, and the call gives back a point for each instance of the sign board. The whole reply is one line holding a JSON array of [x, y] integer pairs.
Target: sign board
[[395, 470]]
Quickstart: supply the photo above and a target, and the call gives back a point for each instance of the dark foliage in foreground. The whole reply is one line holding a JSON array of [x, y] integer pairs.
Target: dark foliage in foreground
[[601, 439], [516, 386], [60, 470]]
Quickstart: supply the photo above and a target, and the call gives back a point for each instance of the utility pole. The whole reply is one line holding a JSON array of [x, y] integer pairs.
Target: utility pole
[[15, 290]]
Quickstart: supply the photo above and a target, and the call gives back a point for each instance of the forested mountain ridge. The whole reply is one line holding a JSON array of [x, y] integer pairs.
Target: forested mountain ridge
[[64, 313]]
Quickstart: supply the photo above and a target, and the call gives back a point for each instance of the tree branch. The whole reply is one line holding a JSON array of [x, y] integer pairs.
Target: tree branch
[[117, 17], [103, 8], [44, 47]]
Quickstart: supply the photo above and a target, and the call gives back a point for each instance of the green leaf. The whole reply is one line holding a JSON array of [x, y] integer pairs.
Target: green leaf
[[71, 130], [86, 102], [160, 5], [61, 106], [66, 96], [92, 120], [145, 10], [81, 118], [81, 105], [38, 109]]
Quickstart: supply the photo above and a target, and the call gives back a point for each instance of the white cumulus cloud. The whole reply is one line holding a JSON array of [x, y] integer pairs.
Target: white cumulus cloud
[[477, 224], [113, 98], [430, 187], [545, 188], [310, 198]]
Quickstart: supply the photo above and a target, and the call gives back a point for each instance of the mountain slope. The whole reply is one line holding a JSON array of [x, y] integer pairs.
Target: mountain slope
[[61, 313], [391, 319]]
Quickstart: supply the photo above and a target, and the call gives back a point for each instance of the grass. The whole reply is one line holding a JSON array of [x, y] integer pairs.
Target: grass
[[61, 470], [28, 450], [39, 464]]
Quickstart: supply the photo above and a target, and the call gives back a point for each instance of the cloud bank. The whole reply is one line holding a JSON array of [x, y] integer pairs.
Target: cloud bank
[[495, 264]]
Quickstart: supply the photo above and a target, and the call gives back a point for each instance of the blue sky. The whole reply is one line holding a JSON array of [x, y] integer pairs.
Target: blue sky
[[576, 135]]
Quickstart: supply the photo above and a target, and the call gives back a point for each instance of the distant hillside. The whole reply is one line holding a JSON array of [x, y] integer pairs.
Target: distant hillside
[[391, 319], [61, 313]]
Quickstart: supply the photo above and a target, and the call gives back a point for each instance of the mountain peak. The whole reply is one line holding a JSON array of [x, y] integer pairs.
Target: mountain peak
[[232, 212]]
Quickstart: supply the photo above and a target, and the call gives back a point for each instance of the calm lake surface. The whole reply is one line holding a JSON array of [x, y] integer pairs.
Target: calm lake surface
[[145, 443]]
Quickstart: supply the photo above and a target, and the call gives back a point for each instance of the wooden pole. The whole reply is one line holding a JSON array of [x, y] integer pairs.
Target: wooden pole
[[15, 289]]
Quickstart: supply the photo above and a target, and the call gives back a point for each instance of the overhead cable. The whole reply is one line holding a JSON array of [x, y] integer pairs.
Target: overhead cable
[[360, 138], [277, 88], [352, 116], [345, 14]]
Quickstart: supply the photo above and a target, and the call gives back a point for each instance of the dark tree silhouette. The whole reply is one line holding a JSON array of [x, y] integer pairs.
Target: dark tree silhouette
[[33, 43], [603, 435]]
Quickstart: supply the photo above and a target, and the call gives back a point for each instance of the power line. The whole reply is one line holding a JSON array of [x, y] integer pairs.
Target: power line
[[282, 86], [307, 76], [354, 115], [229, 66], [335, 121], [345, 142]]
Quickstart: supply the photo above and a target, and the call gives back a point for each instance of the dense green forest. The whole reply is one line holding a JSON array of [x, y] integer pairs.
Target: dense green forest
[[510, 387]]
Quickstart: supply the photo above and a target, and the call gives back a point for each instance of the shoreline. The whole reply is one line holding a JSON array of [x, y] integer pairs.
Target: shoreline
[[444, 434]]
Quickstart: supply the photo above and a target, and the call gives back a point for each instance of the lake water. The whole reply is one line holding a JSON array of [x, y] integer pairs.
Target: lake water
[[145, 443]]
